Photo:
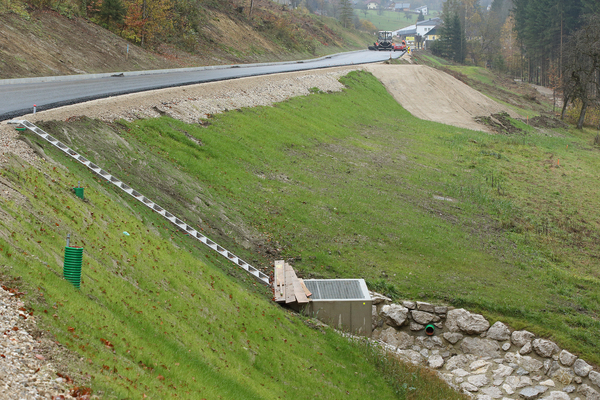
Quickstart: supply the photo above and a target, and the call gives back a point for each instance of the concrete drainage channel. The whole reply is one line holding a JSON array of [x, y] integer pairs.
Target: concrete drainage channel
[[144, 200], [485, 362]]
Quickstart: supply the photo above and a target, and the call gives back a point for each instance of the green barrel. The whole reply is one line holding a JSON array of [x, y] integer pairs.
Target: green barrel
[[72, 265], [79, 192]]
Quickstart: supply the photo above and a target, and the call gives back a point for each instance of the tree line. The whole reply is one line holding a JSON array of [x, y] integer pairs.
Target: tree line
[[553, 43]]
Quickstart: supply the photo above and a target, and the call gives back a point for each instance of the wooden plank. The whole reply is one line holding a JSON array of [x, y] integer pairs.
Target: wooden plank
[[306, 291], [298, 291], [279, 281], [290, 296]]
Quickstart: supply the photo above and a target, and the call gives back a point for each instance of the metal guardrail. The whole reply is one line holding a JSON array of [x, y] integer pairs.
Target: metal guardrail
[[144, 200]]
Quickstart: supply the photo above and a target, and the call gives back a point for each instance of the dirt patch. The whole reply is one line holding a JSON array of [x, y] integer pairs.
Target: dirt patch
[[544, 121], [433, 95], [500, 123]]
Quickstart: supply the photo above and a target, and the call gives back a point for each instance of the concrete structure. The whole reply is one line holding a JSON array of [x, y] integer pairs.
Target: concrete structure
[[344, 304]]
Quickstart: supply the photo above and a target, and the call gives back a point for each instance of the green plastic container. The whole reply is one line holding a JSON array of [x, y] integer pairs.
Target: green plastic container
[[79, 192], [72, 265]]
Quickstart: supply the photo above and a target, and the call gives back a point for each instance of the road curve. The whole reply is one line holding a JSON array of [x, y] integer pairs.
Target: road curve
[[17, 96]]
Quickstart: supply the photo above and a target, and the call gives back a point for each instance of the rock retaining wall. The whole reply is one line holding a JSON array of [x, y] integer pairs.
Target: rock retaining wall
[[485, 362]]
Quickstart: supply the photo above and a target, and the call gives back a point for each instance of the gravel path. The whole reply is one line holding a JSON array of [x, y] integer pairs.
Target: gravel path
[[24, 371]]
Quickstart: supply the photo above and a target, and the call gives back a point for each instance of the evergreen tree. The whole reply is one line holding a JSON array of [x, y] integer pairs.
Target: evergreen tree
[[421, 17], [112, 11], [346, 13]]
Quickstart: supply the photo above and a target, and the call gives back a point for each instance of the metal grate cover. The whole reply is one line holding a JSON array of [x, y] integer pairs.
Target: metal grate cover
[[337, 289]]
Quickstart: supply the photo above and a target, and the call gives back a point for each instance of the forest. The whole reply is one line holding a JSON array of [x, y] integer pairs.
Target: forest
[[553, 43]]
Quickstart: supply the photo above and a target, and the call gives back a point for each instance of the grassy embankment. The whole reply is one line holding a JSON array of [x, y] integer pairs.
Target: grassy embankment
[[390, 20], [350, 185], [159, 315]]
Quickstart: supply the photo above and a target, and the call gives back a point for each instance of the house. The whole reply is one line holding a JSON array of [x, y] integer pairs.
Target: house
[[422, 10], [401, 7], [433, 34], [425, 26], [372, 5]]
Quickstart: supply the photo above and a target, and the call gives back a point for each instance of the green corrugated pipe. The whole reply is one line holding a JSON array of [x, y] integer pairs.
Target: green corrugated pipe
[[429, 329], [72, 265]]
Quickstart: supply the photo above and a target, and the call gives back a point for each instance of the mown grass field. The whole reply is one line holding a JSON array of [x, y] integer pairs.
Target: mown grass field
[[346, 184]]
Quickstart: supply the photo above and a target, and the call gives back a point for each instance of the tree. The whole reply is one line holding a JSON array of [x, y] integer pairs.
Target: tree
[[421, 17], [346, 13], [452, 43], [112, 11], [581, 71]]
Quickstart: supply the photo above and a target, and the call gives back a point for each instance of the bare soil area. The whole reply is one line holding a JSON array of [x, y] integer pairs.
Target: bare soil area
[[433, 95]]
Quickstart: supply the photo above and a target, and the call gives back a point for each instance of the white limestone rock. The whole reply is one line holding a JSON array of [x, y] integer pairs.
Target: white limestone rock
[[422, 317], [508, 389], [411, 356], [589, 392], [479, 380], [532, 392], [493, 392], [469, 387], [475, 365], [556, 395], [394, 314], [531, 364], [429, 342], [460, 320], [458, 361], [460, 372], [567, 359], [411, 305], [544, 348], [415, 327], [378, 298], [453, 337], [526, 349], [480, 347], [506, 346], [421, 306], [581, 368], [502, 371], [548, 382], [594, 377], [499, 332], [563, 375], [436, 362], [520, 338]]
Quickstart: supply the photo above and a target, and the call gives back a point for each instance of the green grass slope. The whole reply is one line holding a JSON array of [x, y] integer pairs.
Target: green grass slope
[[159, 315], [346, 184]]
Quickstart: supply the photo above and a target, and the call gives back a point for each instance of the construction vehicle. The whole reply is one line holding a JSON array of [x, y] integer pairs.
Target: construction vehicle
[[384, 42]]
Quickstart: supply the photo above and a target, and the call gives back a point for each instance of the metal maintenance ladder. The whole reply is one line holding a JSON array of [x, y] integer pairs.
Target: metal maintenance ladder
[[144, 200]]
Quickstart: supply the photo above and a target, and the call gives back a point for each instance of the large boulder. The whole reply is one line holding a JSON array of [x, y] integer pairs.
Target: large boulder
[[562, 375], [588, 392], [544, 348], [422, 317], [567, 359], [521, 338], [394, 314], [459, 319], [582, 368], [498, 331], [480, 347]]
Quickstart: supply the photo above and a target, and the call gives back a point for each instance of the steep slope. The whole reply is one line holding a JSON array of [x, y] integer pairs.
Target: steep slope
[[156, 314], [45, 43]]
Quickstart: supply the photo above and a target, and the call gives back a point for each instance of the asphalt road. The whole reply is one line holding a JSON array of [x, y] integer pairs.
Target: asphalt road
[[17, 96]]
